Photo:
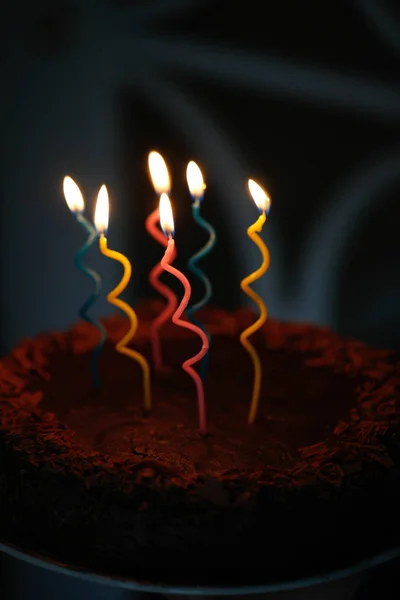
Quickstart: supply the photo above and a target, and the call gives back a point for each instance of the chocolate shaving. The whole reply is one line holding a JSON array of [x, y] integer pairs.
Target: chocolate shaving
[[159, 496]]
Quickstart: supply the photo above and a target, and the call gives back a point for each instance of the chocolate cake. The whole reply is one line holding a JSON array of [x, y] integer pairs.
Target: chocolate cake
[[89, 478]]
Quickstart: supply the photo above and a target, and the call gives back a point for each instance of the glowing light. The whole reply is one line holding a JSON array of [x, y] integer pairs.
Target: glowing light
[[159, 173], [195, 180], [260, 197], [73, 195], [166, 216], [102, 211]]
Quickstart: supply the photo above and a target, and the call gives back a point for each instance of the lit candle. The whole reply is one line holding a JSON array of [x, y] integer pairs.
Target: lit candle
[[167, 225], [263, 204], [76, 204], [161, 182], [196, 187], [101, 223]]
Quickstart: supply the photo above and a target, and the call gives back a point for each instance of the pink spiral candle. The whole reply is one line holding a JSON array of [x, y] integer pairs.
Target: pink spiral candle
[[187, 365], [167, 225]]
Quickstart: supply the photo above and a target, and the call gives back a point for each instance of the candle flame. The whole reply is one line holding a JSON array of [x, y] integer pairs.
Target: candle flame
[[102, 211], [73, 195], [159, 173], [260, 197], [195, 180], [166, 216]]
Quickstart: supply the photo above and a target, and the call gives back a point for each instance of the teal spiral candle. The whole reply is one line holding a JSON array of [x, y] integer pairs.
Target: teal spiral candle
[[197, 187], [76, 204]]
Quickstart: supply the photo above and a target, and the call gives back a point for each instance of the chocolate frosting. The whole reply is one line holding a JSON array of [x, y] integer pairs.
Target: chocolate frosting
[[97, 480]]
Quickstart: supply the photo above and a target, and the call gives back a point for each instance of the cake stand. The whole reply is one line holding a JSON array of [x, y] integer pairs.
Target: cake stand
[[119, 585]]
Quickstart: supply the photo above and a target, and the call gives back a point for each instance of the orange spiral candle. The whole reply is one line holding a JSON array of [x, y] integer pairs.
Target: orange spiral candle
[[101, 223], [263, 204]]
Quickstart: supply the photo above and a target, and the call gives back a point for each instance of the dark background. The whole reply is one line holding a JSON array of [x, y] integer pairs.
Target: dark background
[[304, 97]]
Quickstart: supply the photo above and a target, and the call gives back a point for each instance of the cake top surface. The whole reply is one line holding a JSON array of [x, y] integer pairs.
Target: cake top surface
[[327, 405]]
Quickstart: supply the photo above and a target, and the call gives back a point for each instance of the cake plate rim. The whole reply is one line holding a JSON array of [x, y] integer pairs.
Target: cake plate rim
[[134, 584]]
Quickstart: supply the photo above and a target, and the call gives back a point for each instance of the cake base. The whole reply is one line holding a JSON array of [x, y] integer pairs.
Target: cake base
[[197, 588]]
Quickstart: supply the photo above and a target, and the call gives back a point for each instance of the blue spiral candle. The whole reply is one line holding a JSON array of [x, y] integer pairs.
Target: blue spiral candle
[[76, 204], [197, 187]]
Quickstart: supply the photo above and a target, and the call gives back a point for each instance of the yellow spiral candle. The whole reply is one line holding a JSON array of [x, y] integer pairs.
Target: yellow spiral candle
[[101, 223], [263, 203]]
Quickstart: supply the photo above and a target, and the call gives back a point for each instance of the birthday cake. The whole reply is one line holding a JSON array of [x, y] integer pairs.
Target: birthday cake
[[90, 478]]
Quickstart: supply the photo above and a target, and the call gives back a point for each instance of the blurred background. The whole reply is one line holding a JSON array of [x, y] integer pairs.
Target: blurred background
[[302, 96]]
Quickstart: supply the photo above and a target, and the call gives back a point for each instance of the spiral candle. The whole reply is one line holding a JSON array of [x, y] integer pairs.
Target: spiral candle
[[74, 199], [167, 225], [162, 184], [197, 187], [263, 203], [101, 222]]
